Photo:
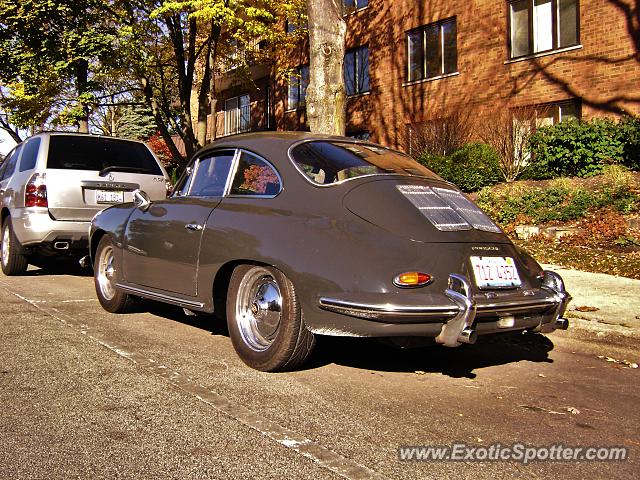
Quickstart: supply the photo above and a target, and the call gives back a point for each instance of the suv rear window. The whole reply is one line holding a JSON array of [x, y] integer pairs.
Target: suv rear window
[[101, 154], [329, 162]]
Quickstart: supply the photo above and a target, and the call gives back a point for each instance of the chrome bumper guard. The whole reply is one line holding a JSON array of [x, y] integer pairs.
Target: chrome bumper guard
[[459, 329], [553, 283]]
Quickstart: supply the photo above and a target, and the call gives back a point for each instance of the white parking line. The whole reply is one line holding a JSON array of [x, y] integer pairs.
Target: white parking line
[[322, 456]]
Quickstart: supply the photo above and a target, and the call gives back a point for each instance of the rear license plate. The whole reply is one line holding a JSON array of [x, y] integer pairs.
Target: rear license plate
[[109, 196], [492, 272]]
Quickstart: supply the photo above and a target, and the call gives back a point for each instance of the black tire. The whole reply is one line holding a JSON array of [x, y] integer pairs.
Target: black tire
[[105, 270], [265, 320], [13, 262]]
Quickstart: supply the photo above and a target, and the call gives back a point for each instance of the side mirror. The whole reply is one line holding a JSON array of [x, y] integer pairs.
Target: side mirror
[[141, 200]]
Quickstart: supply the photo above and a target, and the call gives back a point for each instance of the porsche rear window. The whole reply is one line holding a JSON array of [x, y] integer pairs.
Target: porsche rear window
[[329, 162], [100, 154]]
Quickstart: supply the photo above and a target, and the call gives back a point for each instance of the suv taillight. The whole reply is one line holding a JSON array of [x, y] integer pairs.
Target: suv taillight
[[35, 193]]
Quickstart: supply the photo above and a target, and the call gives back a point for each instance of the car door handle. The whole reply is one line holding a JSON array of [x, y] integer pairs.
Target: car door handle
[[193, 227]]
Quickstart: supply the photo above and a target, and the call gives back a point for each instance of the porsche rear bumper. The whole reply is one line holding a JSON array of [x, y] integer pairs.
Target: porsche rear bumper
[[454, 317]]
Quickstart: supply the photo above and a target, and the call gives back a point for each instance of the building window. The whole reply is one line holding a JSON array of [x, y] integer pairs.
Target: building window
[[351, 6], [237, 115], [543, 25], [361, 135], [432, 50], [298, 84], [553, 113], [356, 71]]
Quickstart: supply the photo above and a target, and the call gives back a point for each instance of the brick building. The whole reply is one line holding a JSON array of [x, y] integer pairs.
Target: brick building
[[409, 62]]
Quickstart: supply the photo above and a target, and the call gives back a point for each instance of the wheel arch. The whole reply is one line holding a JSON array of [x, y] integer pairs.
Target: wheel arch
[[5, 213], [220, 286], [93, 244]]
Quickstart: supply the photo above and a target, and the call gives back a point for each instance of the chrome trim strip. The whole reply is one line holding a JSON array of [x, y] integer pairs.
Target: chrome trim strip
[[342, 306], [434, 311], [106, 185], [160, 296]]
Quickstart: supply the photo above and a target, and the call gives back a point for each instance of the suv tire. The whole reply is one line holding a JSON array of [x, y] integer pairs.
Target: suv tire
[[13, 262]]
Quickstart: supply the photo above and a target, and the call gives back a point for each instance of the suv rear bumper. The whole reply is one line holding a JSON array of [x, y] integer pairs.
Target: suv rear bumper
[[35, 227]]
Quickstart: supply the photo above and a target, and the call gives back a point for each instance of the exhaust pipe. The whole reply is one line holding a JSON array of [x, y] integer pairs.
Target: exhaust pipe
[[85, 261], [561, 324], [61, 245], [468, 336]]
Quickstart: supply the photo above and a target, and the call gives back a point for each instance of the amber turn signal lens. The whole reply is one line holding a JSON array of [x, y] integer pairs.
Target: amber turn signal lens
[[412, 279]]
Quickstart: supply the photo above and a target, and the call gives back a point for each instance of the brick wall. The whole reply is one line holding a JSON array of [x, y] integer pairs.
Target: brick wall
[[603, 70]]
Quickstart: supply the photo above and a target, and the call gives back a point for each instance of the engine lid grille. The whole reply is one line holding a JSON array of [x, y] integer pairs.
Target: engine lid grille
[[448, 210]]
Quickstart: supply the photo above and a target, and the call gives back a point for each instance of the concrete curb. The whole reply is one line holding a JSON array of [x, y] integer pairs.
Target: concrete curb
[[615, 300]]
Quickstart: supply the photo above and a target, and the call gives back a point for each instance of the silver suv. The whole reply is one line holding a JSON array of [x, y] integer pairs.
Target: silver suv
[[52, 185]]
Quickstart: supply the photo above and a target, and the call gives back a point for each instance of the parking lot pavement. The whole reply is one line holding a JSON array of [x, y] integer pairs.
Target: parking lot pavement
[[602, 303], [157, 394]]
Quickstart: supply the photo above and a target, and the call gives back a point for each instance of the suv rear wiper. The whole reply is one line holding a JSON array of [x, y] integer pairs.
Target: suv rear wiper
[[116, 168]]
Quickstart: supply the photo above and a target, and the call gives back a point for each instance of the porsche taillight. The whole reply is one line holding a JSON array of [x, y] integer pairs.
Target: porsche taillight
[[35, 192]]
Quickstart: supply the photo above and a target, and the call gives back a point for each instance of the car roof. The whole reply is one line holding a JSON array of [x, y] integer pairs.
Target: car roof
[[53, 133], [271, 144]]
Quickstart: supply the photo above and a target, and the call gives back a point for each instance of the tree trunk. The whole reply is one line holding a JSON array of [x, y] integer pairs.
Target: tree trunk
[[82, 81], [326, 100], [204, 95], [162, 127]]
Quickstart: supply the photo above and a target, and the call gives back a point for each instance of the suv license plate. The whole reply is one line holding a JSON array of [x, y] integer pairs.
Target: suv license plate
[[492, 272], [105, 196]]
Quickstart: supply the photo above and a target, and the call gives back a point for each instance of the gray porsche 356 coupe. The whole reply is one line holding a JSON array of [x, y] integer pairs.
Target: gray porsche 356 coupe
[[295, 235]]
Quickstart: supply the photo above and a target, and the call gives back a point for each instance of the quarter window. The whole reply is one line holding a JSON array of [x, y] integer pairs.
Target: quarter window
[[542, 25], [30, 154], [254, 176], [298, 88], [356, 71], [432, 50]]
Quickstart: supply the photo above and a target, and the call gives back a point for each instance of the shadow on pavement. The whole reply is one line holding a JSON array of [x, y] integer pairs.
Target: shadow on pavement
[[458, 362], [372, 354]]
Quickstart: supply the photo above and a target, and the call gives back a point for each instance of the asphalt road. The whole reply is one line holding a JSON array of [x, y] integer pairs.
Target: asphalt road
[[88, 394]]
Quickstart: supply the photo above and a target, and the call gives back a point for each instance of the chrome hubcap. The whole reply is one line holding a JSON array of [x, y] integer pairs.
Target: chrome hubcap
[[106, 273], [258, 309], [6, 239]]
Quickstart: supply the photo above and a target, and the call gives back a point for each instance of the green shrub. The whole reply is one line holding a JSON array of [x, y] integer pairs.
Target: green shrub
[[630, 132], [575, 148], [558, 202], [470, 167]]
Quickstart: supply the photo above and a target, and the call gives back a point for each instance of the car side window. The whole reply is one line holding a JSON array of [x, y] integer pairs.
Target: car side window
[[9, 165], [211, 174], [30, 154], [184, 182], [254, 176]]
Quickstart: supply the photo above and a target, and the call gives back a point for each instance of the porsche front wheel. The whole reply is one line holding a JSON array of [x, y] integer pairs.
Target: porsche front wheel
[[265, 320], [105, 268]]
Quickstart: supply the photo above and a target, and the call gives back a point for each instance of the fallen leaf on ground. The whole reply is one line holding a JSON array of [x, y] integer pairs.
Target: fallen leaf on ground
[[420, 372], [540, 409], [624, 363], [573, 410], [585, 308]]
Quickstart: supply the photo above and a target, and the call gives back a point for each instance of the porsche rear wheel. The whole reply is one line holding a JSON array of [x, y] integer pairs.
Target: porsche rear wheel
[[105, 270], [13, 262], [265, 320]]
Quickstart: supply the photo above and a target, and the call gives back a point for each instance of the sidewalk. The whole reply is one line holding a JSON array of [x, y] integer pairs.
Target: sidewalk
[[615, 301]]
